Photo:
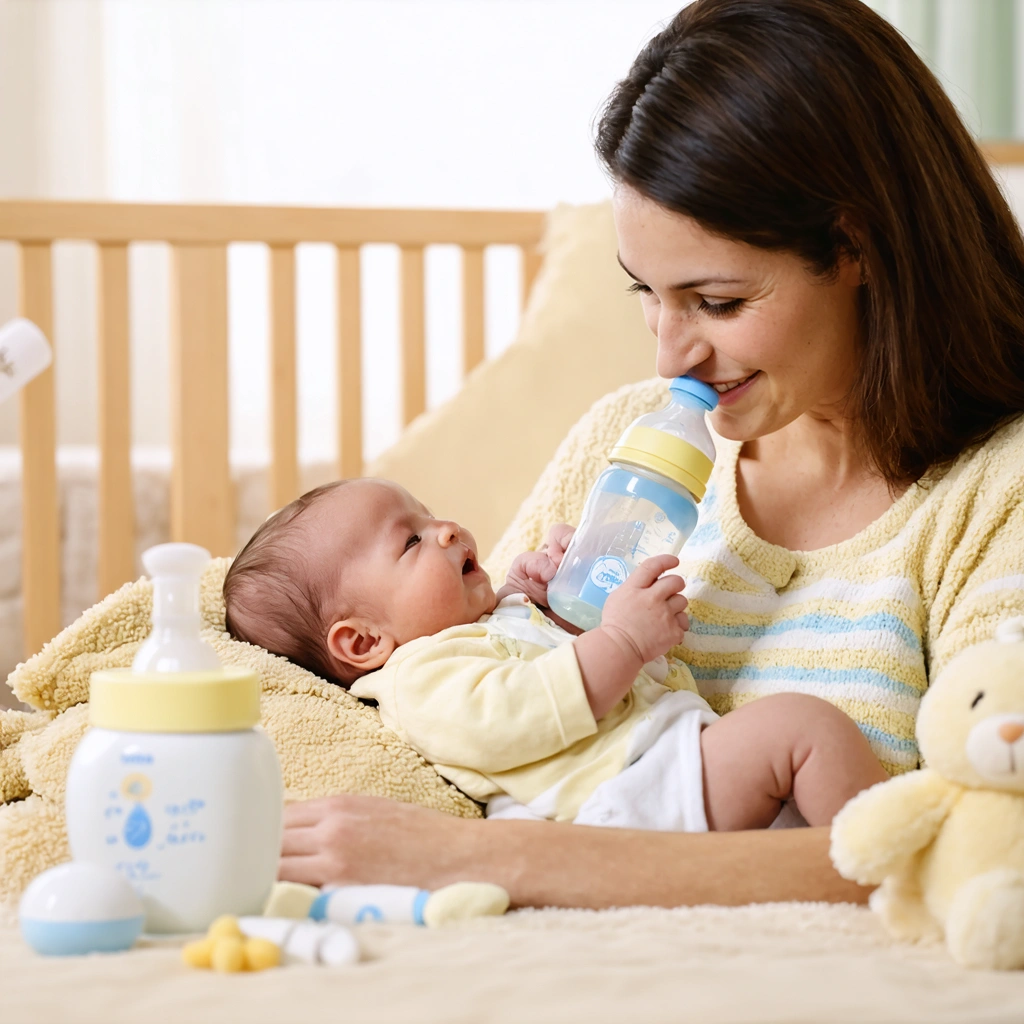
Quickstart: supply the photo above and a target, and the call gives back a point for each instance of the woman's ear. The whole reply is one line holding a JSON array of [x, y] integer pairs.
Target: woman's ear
[[853, 268], [359, 646]]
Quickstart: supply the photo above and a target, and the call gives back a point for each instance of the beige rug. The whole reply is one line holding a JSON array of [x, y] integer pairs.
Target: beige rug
[[784, 962]]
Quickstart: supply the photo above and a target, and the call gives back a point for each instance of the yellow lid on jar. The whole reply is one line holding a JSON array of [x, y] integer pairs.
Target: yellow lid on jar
[[223, 700], [666, 454]]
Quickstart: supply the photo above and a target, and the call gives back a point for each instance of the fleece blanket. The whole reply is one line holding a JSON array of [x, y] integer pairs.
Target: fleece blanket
[[794, 963]]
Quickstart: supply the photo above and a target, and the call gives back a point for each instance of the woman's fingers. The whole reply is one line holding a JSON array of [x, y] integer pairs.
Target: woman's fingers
[[302, 813], [363, 839], [677, 603], [305, 870], [299, 841]]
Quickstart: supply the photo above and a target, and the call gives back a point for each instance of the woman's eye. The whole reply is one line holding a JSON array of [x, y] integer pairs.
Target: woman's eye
[[637, 288], [719, 308], [412, 541]]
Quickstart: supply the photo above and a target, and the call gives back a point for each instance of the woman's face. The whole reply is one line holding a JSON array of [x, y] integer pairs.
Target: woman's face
[[776, 341]]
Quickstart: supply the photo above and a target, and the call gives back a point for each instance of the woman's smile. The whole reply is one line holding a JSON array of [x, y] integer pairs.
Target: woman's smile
[[731, 391]]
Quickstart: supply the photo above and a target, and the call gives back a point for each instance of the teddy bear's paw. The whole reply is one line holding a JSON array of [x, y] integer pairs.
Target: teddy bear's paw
[[985, 926], [857, 849], [902, 911]]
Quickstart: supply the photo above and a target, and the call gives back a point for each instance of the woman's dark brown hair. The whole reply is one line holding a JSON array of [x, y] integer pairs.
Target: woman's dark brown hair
[[769, 121]]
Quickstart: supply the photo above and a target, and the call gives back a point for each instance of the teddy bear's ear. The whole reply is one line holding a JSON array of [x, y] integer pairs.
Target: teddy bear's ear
[[1011, 631]]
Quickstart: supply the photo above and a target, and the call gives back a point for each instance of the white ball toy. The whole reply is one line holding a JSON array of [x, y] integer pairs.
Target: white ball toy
[[80, 908]]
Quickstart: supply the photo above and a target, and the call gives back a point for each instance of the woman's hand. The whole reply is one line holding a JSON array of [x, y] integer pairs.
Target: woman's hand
[[353, 840], [365, 839]]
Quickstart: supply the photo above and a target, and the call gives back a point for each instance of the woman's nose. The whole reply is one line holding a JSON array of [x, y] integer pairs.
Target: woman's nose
[[447, 533], [679, 351]]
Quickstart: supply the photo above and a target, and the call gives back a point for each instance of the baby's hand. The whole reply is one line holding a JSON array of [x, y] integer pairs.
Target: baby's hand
[[532, 571], [557, 541], [530, 574], [648, 611]]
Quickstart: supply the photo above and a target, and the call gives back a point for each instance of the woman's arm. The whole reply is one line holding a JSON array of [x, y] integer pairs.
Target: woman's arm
[[359, 839]]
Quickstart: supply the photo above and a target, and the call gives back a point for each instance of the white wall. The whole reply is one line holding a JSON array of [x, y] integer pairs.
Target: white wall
[[483, 103]]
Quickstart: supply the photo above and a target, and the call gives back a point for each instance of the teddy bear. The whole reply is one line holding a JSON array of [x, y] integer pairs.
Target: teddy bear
[[945, 844]]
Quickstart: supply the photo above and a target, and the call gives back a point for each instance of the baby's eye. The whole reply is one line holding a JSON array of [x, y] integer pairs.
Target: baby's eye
[[636, 286], [412, 541]]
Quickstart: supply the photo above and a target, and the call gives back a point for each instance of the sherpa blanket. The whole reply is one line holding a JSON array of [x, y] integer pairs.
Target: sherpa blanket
[[327, 741]]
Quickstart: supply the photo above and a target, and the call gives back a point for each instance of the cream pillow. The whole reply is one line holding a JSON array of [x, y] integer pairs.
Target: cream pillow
[[475, 458]]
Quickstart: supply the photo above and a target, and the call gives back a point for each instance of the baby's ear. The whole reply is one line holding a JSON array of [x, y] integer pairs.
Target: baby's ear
[[358, 646]]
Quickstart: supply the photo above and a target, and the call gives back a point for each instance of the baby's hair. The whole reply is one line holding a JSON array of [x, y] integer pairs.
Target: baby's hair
[[278, 599]]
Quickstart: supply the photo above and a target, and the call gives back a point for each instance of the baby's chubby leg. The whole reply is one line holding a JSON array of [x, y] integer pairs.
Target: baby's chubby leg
[[789, 744]]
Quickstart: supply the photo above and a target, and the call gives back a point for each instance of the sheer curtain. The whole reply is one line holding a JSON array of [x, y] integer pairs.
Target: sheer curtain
[[975, 47]]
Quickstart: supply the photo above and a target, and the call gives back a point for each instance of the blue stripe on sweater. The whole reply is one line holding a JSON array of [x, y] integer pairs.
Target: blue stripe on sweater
[[818, 623], [879, 738], [791, 673]]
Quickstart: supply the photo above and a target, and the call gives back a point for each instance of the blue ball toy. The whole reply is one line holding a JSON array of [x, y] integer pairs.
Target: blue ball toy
[[80, 908]]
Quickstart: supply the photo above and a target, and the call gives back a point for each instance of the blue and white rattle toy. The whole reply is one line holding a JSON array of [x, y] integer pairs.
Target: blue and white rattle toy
[[80, 908]]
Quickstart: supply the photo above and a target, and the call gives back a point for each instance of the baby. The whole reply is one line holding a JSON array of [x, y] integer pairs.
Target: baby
[[358, 582]]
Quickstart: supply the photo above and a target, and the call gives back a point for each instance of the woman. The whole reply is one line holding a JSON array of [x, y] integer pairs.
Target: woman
[[813, 231]]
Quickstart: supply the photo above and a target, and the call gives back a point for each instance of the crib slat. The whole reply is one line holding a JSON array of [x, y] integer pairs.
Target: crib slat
[[532, 260], [284, 466], [350, 363], [472, 307], [40, 521], [202, 506], [414, 356], [116, 498]]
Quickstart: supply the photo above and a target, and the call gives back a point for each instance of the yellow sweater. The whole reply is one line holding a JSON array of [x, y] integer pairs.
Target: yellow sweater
[[498, 706], [864, 623]]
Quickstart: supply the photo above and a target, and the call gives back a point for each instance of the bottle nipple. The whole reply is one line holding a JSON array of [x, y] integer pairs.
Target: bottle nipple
[[175, 645]]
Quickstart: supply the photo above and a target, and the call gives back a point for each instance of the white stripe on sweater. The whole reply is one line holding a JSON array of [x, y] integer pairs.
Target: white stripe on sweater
[[890, 588]]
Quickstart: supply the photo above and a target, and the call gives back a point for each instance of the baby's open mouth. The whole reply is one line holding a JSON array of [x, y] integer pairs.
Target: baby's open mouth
[[468, 566]]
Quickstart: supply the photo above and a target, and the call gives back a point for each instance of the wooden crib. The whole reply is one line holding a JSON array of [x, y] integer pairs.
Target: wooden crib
[[201, 489]]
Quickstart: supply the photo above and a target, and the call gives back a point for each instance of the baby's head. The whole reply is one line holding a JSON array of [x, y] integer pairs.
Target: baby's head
[[342, 576]]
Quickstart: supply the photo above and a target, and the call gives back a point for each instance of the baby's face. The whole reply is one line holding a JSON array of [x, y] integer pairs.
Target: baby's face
[[416, 574]]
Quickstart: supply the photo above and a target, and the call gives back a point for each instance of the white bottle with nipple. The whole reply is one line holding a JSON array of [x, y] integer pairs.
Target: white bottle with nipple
[[174, 785]]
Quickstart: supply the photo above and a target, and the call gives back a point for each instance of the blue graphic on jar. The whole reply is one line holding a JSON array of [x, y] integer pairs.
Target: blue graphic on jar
[[138, 828]]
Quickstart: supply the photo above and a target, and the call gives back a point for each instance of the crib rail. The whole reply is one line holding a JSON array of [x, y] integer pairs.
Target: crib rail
[[201, 496]]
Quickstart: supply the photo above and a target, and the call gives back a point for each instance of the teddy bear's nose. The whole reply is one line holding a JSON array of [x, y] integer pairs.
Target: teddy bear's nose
[[1011, 732]]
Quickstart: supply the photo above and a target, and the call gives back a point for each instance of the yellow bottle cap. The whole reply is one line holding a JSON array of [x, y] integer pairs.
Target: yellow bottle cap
[[223, 700], [663, 453]]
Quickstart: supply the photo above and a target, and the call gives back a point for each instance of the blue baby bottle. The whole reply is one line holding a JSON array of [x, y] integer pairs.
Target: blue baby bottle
[[644, 504]]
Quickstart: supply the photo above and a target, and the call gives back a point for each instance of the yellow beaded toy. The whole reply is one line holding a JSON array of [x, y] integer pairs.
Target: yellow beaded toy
[[226, 949]]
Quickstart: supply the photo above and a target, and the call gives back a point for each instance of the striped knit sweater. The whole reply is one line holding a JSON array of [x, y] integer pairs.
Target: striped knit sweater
[[864, 623]]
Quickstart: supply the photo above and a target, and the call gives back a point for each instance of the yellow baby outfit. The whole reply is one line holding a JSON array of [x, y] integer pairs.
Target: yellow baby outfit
[[498, 706]]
